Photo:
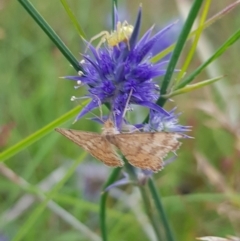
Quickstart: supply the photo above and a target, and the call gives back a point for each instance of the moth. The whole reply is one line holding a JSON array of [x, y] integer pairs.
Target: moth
[[145, 150]]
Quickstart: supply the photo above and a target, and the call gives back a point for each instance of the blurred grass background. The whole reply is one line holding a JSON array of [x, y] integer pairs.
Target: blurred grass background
[[200, 189]]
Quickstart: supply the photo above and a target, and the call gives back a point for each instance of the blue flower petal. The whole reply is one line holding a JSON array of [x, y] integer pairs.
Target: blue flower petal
[[144, 38], [119, 183], [161, 122], [92, 105], [152, 106], [143, 50], [136, 29]]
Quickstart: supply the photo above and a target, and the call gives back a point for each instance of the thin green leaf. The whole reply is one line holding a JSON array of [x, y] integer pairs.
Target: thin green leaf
[[13, 150], [51, 34], [218, 53], [158, 203], [195, 42], [209, 22], [161, 101], [102, 212], [149, 209], [114, 5], [179, 46], [73, 19], [189, 88], [53, 206], [39, 210], [146, 201]]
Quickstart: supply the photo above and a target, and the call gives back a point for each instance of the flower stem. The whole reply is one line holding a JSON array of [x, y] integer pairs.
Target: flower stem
[[146, 201], [161, 101], [114, 5], [160, 209], [103, 200], [178, 48], [149, 211]]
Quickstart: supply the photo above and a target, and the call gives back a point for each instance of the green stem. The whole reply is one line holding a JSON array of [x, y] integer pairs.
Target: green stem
[[103, 200], [114, 4], [179, 47], [157, 199], [218, 53], [170, 70], [147, 203], [149, 211], [51, 34]]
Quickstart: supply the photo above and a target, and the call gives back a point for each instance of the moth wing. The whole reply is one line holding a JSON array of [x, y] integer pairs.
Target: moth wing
[[97, 145], [146, 150]]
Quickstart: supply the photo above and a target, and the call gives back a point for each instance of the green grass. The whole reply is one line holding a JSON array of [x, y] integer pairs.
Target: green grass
[[32, 95]]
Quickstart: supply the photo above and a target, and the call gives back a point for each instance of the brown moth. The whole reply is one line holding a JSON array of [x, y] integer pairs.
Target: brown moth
[[144, 150]]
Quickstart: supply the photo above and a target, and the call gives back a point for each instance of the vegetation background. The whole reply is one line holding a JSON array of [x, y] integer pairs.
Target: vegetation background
[[200, 189]]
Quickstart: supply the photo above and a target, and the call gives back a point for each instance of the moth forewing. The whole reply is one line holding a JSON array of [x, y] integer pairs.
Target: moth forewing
[[146, 150], [97, 145]]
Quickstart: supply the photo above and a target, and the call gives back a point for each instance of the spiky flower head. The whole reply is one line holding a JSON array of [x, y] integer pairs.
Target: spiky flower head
[[159, 122], [123, 74]]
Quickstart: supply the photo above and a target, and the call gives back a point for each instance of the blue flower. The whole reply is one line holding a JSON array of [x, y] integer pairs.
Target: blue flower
[[123, 74], [160, 122]]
